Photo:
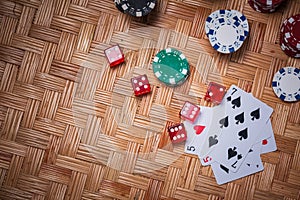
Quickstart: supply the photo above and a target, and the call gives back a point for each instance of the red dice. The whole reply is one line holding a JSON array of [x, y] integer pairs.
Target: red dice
[[140, 85], [215, 93], [114, 55], [189, 112], [177, 133]]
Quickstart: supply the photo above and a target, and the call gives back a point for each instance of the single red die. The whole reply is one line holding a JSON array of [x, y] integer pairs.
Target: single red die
[[140, 85], [177, 133], [189, 111], [114, 55], [215, 93]]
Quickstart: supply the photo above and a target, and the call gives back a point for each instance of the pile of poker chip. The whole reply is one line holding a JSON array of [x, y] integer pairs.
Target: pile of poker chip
[[265, 6], [290, 36], [135, 8], [226, 30]]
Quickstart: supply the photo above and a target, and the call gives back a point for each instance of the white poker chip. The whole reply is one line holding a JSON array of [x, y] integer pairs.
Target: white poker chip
[[286, 84], [226, 30]]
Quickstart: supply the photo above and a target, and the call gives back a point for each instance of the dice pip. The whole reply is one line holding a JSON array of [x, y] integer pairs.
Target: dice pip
[[189, 112], [177, 133], [215, 93], [114, 55], [140, 85]]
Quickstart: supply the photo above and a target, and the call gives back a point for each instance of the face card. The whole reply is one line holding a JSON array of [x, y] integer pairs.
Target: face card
[[239, 127], [196, 131], [251, 165]]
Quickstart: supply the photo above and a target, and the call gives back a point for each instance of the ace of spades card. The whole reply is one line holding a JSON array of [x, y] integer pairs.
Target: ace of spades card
[[196, 131], [236, 124]]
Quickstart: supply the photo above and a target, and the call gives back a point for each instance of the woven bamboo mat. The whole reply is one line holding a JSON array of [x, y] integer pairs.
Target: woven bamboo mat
[[71, 127]]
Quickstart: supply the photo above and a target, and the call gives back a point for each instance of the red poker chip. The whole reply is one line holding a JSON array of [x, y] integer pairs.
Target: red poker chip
[[290, 31], [288, 51], [265, 6], [269, 2], [286, 45], [257, 7]]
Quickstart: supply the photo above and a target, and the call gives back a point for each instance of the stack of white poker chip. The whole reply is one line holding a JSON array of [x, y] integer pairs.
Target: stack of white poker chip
[[265, 6], [290, 36], [226, 30]]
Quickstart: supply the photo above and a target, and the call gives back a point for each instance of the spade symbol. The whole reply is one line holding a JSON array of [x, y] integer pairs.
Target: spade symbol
[[248, 164], [239, 156], [243, 134], [234, 91], [232, 152], [255, 114], [212, 141], [223, 122], [236, 102], [239, 118]]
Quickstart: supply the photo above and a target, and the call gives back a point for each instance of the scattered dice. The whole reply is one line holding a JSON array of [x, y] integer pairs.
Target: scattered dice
[[189, 111], [140, 85], [215, 93], [114, 55], [177, 133]]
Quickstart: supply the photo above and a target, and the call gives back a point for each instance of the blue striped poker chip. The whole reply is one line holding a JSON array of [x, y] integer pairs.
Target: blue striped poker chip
[[226, 30], [286, 84]]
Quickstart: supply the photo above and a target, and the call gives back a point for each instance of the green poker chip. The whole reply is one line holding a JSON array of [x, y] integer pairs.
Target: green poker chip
[[171, 67]]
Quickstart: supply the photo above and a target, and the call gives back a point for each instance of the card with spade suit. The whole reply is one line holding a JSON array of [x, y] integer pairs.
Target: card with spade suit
[[236, 125], [196, 131], [265, 138], [251, 165]]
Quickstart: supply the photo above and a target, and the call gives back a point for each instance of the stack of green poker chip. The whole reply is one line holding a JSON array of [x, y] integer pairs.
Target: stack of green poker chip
[[171, 67]]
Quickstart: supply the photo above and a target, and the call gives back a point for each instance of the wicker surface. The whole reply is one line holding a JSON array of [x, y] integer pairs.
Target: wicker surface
[[71, 127]]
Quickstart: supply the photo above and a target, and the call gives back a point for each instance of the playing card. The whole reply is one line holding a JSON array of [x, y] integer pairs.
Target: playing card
[[251, 165], [214, 130], [196, 131], [242, 119], [267, 131], [268, 144], [222, 118], [266, 139]]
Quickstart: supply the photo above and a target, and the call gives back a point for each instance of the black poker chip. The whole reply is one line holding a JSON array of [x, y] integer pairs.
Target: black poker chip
[[137, 8], [119, 5]]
